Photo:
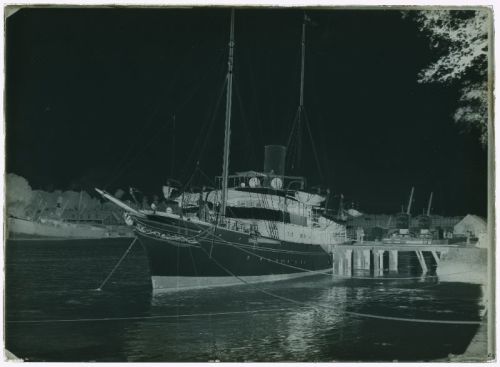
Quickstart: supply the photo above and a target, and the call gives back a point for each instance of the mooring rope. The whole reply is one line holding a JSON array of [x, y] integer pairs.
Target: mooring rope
[[304, 304], [329, 273], [220, 241], [117, 265], [153, 317], [316, 307], [358, 314]]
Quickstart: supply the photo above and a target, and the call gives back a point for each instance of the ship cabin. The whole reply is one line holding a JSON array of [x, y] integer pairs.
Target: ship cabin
[[272, 197], [275, 204]]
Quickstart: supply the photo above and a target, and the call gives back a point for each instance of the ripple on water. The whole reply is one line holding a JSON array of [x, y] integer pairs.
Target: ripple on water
[[317, 328]]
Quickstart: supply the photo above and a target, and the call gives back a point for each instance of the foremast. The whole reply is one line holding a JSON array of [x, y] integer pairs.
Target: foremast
[[301, 100], [297, 124], [227, 131]]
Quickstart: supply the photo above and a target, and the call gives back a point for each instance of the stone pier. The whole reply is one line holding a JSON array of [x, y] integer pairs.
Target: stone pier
[[378, 262], [348, 263], [358, 256], [366, 258], [358, 259], [393, 261], [342, 262]]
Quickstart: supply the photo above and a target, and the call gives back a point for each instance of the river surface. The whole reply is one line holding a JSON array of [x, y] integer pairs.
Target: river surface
[[54, 313]]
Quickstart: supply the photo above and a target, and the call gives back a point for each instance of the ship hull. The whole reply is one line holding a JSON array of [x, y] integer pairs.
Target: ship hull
[[186, 255]]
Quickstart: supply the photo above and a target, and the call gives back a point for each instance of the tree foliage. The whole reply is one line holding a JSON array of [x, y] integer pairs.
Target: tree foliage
[[18, 195], [460, 41]]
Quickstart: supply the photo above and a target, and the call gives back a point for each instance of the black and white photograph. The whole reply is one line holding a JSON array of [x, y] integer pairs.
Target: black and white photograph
[[249, 183]]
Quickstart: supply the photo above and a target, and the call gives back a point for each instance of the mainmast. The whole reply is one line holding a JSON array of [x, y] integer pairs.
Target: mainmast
[[301, 100], [227, 132], [297, 127]]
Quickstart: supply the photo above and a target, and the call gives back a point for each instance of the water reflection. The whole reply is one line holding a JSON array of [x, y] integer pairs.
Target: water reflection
[[311, 319]]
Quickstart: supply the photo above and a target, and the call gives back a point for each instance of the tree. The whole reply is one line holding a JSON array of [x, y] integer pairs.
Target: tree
[[460, 40], [18, 195]]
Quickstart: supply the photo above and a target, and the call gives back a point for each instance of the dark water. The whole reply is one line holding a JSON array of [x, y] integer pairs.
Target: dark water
[[55, 280]]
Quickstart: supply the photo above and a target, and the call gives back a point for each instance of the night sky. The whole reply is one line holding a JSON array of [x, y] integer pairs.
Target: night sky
[[91, 95]]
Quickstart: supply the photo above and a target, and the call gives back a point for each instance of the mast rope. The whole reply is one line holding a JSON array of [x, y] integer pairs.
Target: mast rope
[[250, 138], [126, 160], [258, 119], [291, 153], [135, 142], [316, 157], [205, 131]]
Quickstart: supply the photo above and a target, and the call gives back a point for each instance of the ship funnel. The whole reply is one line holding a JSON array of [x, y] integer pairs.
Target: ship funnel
[[274, 159]]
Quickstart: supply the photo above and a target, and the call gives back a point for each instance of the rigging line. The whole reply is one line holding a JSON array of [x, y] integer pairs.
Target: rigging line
[[292, 96], [212, 124], [125, 161], [198, 84], [258, 111], [205, 131], [322, 123], [156, 317], [144, 148], [211, 113], [139, 153], [205, 124], [188, 182], [245, 124], [292, 131], [124, 158], [149, 120], [210, 180], [308, 128], [291, 145], [358, 314]]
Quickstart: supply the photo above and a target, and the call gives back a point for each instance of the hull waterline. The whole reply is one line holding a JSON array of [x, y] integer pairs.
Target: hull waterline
[[200, 256]]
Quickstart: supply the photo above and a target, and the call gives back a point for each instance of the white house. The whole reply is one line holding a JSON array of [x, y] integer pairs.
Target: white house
[[472, 226]]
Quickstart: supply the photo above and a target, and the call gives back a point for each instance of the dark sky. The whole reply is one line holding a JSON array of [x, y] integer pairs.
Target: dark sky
[[91, 93]]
